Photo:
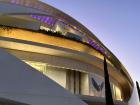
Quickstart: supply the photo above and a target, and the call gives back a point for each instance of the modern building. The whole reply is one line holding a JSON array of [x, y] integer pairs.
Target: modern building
[[63, 52]]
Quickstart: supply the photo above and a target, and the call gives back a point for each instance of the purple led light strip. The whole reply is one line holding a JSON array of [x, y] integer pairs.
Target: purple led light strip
[[27, 3], [48, 20], [97, 47], [51, 21]]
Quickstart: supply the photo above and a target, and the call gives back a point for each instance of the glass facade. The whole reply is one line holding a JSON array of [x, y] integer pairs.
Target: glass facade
[[117, 93], [97, 85], [77, 82], [56, 74]]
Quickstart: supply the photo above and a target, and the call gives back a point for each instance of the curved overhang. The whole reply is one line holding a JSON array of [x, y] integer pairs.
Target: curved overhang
[[34, 7], [79, 53]]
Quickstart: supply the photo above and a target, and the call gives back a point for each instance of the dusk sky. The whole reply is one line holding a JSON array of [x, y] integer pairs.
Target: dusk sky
[[115, 22]]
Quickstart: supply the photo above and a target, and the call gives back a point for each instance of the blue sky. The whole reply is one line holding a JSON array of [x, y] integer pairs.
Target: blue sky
[[115, 22]]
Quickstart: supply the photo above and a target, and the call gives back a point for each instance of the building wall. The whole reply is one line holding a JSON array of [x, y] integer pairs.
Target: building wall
[[66, 58], [77, 82], [22, 83]]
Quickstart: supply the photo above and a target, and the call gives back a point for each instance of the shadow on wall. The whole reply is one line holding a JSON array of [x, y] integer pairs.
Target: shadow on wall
[[10, 102]]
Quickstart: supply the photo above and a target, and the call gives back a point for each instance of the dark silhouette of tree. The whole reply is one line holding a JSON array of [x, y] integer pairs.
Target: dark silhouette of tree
[[138, 89], [108, 93]]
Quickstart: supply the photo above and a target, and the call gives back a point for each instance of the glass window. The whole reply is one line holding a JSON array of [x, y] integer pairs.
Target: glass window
[[74, 81], [117, 93], [56, 74], [97, 85]]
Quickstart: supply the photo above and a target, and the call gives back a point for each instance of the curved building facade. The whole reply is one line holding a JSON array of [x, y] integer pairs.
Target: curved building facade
[[62, 49]]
